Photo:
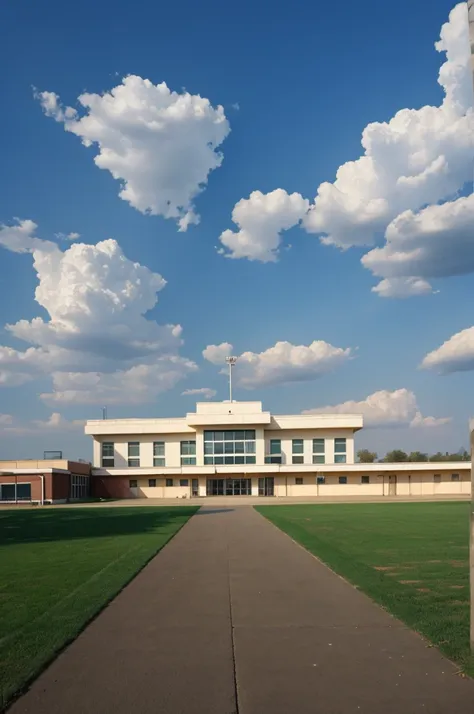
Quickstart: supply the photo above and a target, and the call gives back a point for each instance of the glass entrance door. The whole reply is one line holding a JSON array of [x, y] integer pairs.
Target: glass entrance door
[[266, 486], [229, 487]]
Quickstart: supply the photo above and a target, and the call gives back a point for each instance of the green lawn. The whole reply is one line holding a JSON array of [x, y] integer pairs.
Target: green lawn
[[59, 567], [411, 558]]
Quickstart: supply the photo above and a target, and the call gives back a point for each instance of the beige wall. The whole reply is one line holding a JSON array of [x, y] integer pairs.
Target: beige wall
[[421, 484], [172, 448], [308, 435]]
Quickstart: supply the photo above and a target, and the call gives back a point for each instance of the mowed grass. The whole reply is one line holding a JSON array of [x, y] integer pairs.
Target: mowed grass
[[59, 567], [412, 558]]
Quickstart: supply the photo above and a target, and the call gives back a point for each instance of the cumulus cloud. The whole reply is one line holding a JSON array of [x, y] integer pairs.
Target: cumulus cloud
[[55, 423], [217, 353], [281, 364], [96, 299], [140, 384], [385, 409], [436, 242], [161, 145], [454, 355], [205, 392], [261, 219], [419, 157]]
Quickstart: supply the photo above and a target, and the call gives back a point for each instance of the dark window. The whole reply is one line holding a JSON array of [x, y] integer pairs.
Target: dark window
[[299, 481], [107, 454], [365, 479], [169, 482], [437, 478], [158, 453], [183, 482], [272, 459], [297, 459], [455, 477], [320, 480], [152, 482], [342, 479], [275, 447], [133, 483], [188, 448], [298, 446]]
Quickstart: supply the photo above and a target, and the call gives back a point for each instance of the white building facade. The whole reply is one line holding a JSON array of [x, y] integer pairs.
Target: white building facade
[[237, 449]]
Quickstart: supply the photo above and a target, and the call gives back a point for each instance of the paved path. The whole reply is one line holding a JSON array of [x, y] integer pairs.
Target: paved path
[[232, 616]]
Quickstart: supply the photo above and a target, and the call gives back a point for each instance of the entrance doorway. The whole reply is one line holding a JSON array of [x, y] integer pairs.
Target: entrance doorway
[[392, 485], [229, 487], [266, 486], [194, 487]]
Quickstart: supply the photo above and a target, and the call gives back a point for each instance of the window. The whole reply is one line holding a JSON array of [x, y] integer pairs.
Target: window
[[183, 482], [15, 492], [437, 478], [169, 482], [318, 451], [159, 453], [340, 451], [365, 479], [226, 448], [320, 480], [342, 479], [455, 477], [275, 452], [134, 453], [133, 483], [107, 454], [297, 451], [299, 481], [152, 482], [188, 453]]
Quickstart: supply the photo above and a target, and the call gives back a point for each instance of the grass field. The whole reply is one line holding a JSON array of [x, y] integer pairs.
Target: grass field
[[411, 558], [59, 567]]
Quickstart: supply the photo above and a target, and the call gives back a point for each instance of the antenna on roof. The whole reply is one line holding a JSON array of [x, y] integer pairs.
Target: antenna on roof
[[231, 362], [104, 412]]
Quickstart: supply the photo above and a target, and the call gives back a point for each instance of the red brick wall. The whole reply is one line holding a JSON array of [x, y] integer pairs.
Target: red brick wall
[[61, 487], [35, 481], [110, 487]]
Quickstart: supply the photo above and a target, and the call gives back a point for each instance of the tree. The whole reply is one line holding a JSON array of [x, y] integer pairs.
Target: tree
[[395, 456], [366, 457], [417, 456]]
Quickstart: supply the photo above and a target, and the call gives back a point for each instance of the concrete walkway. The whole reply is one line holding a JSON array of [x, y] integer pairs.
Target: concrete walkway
[[232, 616]]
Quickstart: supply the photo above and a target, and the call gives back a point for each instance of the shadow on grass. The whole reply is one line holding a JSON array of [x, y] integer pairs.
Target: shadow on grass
[[68, 523]]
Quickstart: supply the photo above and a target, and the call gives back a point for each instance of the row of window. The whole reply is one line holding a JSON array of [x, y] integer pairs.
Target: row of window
[[133, 482], [299, 480], [188, 454], [227, 448], [297, 451]]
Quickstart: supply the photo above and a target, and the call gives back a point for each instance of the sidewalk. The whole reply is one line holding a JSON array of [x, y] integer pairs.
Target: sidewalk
[[232, 616]]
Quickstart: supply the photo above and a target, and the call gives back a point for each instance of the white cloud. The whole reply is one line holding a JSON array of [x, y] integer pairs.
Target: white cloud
[[6, 419], [217, 353], [436, 242], [205, 392], [385, 409], [454, 355], [55, 423], [281, 364], [402, 287], [261, 219], [96, 299], [419, 157], [161, 145], [137, 385], [68, 236]]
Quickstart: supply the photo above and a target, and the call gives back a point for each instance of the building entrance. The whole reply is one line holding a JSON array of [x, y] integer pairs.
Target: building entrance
[[266, 486], [229, 487]]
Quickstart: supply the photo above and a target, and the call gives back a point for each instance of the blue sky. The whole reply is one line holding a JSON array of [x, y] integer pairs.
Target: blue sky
[[298, 84]]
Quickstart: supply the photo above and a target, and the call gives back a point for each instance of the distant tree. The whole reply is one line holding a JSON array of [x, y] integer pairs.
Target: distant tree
[[366, 457], [417, 456], [461, 455], [395, 456], [438, 457]]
